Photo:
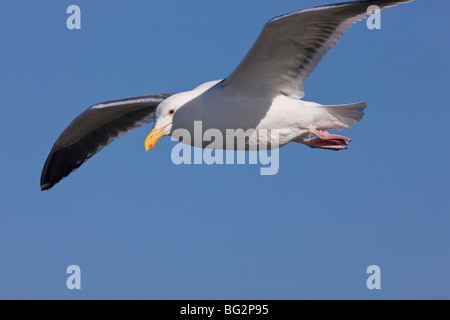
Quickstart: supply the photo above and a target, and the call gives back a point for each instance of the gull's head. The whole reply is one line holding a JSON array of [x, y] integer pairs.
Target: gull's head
[[165, 119], [176, 113]]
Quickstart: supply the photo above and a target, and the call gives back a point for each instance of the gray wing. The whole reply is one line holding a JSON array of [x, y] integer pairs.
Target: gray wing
[[94, 129], [290, 47]]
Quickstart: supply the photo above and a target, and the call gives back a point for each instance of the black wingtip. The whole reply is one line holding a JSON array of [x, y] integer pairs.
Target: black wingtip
[[46, 183], [45, 187], [60, 163]]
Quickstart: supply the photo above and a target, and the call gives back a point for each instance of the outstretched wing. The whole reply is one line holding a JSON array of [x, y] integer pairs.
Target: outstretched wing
[[290, 47], [94, 129]]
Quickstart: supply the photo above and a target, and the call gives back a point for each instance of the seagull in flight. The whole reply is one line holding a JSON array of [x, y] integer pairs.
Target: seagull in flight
[[263, 93]]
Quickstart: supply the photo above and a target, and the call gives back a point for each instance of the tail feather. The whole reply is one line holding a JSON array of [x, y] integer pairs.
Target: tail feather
[[347, 114]]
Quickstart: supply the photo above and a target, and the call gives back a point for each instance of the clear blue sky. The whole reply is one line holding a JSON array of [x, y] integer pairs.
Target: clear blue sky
[[141, 227]]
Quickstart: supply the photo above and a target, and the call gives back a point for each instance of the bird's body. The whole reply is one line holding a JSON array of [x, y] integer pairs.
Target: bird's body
[[261, 99], [285, 119]]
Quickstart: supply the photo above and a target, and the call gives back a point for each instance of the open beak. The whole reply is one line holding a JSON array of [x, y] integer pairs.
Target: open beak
[[152, 137]]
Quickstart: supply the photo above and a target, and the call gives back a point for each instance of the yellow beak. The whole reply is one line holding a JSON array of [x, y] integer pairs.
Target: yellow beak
[[152, 137]]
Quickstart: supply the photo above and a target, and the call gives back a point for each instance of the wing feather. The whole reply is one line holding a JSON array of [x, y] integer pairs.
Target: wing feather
[[292, 45], [94, 129]]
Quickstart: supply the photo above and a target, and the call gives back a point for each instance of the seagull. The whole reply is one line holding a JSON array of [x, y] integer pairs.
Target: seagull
[[263, 93]]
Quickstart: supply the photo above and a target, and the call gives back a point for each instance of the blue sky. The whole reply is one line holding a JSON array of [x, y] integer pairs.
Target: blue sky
[[141, 227]]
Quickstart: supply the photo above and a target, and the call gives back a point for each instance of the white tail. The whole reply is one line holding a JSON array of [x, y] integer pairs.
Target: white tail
[[346, 114]]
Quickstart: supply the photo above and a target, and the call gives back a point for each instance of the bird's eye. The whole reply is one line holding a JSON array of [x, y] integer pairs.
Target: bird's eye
[[171, 111]]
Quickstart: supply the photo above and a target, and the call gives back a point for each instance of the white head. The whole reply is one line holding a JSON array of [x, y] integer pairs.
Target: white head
[[166, 119], [169, 116]]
